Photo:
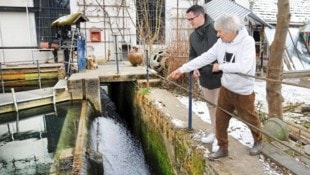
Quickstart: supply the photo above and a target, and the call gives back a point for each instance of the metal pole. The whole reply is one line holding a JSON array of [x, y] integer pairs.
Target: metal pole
[[29, 31], [147, 68], [116, 54], [39, 76], [16, 109], [9, 131], [54, 102], [2, 82], [17, 121], [1, 42], [14, 99], [190, 94]]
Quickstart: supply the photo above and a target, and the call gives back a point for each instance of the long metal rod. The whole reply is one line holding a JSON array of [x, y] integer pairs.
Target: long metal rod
[[147, 68], [275, 81], [1, 43], [2, 82], [14, 99], [71, 54], [294, 44], [236, 117], [190, 101], [39, 75], [29, 30], [116, 55]]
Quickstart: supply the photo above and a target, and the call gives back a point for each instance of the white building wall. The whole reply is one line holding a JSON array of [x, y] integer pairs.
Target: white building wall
[[120, 20], [16, 3], [112, 19], [17, 29], [177, 26]]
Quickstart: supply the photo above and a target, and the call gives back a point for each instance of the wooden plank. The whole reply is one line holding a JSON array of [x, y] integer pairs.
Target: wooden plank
[[281, 158], [15, 76], [29, 76], [19, 83], [80, 141], [298, 133], [30, 70], [43, 75]]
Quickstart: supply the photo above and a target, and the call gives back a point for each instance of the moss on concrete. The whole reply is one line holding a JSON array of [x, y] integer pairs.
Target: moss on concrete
[[168, 149], [188, 156], [155, 151]]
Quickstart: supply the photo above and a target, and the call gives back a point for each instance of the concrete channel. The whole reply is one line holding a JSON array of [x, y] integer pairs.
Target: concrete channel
[[153, 110]]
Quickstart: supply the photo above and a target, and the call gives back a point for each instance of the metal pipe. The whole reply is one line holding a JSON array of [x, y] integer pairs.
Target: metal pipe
[[190, 97], [39, 76], [295, 47], [14, 99], [1, 43], [54, 102], [116, 54], [2, 82], [29, 30], [147, 68], [17, 121]]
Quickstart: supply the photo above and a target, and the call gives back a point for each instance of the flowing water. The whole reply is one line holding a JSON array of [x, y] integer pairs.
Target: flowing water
[[29, 140], [122, 151]]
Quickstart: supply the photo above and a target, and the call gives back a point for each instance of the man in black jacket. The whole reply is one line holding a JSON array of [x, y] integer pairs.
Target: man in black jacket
[[202, 39]]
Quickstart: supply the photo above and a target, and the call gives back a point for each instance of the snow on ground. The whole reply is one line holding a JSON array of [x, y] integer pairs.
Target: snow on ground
[[237, 129]]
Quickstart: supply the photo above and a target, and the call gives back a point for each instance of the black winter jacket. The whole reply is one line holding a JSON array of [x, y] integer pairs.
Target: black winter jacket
[[201, 40]]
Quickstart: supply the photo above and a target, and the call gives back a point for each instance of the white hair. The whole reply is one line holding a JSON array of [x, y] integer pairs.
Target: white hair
[[228, 22]]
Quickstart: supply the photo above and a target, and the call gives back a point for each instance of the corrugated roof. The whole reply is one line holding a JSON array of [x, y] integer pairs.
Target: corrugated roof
[[267, 10], [216, 8]]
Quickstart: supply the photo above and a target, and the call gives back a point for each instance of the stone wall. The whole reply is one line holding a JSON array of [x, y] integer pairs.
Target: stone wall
[[182, 152], [168, 149]]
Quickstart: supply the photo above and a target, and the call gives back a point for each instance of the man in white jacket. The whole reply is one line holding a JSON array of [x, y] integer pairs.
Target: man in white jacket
[[235, 54]]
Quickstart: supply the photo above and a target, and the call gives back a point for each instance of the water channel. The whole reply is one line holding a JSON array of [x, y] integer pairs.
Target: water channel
[[110, 135], [30, 139]]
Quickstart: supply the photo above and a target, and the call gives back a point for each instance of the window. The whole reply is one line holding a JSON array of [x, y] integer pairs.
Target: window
[[150, 21]]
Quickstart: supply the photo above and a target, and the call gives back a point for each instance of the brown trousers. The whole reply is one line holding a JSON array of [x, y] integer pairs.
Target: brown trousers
[[244, 105]]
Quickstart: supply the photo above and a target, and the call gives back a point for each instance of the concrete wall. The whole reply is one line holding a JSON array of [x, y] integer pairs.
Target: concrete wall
[[18, 29], [169, 149], [183, 155]]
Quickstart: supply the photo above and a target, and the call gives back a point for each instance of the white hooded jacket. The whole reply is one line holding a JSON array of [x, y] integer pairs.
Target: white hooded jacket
[[235, 57]]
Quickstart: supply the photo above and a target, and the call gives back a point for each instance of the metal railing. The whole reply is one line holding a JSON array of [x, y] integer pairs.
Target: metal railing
[[191, 93]]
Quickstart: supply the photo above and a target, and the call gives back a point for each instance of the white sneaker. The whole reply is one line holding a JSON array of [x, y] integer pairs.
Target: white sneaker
[[209, 139], [215, 146]]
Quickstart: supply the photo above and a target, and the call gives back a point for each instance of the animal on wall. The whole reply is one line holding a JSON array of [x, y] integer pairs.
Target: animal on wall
[[91, 62], [135, 56]]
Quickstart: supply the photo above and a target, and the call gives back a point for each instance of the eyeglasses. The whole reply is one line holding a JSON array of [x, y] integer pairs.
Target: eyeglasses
[[191, 19]]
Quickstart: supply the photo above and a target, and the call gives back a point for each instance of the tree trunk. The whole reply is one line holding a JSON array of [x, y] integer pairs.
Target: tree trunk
[[275, 64]]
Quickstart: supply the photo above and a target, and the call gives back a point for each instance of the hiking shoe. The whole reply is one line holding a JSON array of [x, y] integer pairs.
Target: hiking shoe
[[257, 148], [209, 139], [218, 154]]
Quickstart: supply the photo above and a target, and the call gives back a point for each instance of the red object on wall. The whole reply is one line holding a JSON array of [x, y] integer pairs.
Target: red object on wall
[[95, 35]]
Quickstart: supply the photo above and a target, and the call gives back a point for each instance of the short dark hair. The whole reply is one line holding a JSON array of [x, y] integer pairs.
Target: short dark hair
[[196, 9]]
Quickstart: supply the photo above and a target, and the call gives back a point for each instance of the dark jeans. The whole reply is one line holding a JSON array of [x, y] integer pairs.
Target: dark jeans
[[244, 106]]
